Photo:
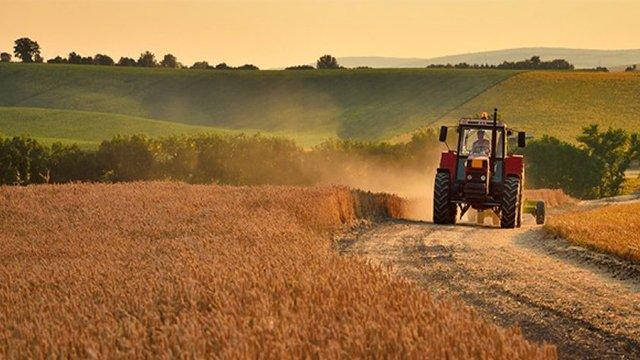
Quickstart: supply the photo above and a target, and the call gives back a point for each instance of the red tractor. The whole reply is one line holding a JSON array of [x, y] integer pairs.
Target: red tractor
[[479, 174]]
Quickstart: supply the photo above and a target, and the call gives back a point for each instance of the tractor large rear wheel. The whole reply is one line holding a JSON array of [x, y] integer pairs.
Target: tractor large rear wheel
[[510, 206], [444, 211]]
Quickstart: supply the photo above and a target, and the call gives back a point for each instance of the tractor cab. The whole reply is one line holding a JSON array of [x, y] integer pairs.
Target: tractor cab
[[479, 174], [478, 165]]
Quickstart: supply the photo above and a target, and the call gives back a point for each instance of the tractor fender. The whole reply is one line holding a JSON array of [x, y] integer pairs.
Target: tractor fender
[[514, 166], [448, 163]]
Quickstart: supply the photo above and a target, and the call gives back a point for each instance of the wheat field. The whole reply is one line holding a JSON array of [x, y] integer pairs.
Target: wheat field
[[553, 198], [613, 229], [174, 270]]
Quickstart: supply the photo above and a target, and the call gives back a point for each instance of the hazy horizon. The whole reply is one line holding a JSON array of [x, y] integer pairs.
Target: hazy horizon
[[274, 34]]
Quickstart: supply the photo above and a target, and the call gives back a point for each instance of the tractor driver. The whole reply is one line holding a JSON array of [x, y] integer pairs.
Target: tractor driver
[[481, 146]]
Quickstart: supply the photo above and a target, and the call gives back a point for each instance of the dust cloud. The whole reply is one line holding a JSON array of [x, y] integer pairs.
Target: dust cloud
[[415, 184]]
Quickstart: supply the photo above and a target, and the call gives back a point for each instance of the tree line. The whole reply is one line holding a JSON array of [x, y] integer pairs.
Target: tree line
[[594, 168], [208, 158], [29, 51], [528, 64]]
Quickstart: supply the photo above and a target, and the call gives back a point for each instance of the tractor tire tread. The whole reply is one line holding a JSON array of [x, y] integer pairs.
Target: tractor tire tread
[[444, 211], [510, 205]]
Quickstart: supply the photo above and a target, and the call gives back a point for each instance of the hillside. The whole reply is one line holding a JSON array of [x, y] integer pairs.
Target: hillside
[[581, 58], [86, 128], [91, 103], [561, 103], [365, 104]]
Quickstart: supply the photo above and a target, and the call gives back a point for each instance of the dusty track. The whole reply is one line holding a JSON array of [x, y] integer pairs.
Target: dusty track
[[588, 304]]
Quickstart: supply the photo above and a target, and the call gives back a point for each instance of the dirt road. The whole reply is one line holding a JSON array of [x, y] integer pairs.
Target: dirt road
[[588, 304]]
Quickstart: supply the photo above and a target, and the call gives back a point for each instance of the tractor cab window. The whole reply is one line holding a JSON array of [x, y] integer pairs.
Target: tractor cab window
[[477, 143]]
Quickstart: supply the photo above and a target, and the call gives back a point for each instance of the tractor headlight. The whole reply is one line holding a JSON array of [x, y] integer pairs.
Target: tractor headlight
[[483, 178], [469, 177]]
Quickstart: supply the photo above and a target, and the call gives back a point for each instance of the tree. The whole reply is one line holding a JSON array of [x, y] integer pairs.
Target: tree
[[300, 67], [201, 65], [248, 67], [125, 158], [101, 59], [555, 164], [74, 58], [614, 149], [69, 163], [169, 61], [23, 161], [147, 59], [223, 66], [535, 60], [26, 49], [86, 60], [5, 57], [327, 62], [57, 60], [127, 61]]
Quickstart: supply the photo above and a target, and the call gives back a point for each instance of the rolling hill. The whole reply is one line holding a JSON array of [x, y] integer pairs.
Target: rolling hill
[[89, 103], [580, 58], [309, 106], [561, 103], [86, 128]]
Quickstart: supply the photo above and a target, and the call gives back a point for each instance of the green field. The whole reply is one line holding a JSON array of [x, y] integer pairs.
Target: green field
[[86, 128], [561, 103], [308, 105]]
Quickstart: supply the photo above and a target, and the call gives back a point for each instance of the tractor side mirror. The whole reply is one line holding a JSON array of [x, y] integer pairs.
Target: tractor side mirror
[[443, 133], [522, 141]]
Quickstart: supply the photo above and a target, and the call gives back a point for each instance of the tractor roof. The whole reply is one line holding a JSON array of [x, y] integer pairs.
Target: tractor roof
[[480, 122]]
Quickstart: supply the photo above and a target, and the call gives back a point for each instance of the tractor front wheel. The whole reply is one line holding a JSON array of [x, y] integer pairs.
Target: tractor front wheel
[[510, 206], [540, 210], [444, 211]]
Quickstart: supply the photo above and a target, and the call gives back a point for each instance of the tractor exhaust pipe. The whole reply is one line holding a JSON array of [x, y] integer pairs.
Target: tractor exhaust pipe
[[494, 131], [493, 136]]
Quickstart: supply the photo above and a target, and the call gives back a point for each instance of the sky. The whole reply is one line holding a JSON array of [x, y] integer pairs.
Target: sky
[[274, 34]]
